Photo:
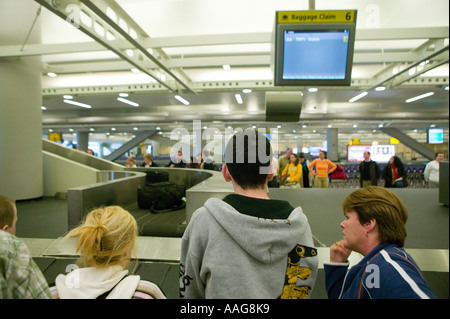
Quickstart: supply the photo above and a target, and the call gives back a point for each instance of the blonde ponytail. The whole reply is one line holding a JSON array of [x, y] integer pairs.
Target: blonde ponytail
[[107, 237]]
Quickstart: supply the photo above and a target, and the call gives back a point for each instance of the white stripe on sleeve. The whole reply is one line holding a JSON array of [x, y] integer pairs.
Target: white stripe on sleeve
[[404, 275]]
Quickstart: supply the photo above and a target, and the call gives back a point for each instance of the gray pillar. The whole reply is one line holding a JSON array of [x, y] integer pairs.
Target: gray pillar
[[299, 141], [155, 148], [21, 160], [332, 144], [83, 141]]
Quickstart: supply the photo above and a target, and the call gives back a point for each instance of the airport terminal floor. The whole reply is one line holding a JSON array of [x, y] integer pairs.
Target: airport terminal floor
[[43, 222]]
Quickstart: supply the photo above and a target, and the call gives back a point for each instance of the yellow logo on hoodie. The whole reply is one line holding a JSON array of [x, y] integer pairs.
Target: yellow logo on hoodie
[[294, 272]]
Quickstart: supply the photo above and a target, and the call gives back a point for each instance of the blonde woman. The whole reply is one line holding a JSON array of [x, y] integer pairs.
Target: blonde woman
[[106, 242]]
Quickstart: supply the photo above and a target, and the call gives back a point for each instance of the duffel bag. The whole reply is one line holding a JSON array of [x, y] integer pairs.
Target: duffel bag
[[156, 176], [161, 197]]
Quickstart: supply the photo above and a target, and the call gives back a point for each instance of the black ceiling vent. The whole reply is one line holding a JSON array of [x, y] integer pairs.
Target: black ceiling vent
[[283, 106]]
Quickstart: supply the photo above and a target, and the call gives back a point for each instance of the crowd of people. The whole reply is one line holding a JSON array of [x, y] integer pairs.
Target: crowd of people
[[245, 245], [204, 160], [296, 171]]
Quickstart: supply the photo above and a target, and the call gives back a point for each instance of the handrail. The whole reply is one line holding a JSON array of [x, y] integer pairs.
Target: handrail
[[79, 156]]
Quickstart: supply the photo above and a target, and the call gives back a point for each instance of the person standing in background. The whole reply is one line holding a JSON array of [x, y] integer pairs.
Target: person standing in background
[[306, 180], [431, 173], [369, 171], [274, 182], [321, 165], [283, 160], [394, 174], [292, 173]]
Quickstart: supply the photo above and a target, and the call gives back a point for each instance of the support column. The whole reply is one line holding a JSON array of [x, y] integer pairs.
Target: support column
[[155, 148], [83, 141], [332, 144], [299, 141], [21, 160]]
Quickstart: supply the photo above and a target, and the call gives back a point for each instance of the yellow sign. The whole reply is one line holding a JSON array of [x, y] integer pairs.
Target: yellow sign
[[393, 140], [337, 16], [355, 141], [54, 137]]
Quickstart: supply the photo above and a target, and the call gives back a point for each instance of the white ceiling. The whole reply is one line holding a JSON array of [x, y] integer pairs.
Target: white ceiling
[[195, 38]]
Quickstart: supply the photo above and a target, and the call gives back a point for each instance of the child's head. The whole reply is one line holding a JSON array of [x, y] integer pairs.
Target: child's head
[[107, 237], [248, 156], [8, 215]]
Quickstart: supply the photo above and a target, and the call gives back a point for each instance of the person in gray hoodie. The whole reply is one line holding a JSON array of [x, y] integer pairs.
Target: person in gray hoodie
[[248, 245]]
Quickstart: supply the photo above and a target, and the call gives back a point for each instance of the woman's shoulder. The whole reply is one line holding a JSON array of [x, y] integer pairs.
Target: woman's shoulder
[[148, 290]]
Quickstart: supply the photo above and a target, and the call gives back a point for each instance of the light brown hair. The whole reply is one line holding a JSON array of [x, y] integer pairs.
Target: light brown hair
[[7, 211], [385, 207]]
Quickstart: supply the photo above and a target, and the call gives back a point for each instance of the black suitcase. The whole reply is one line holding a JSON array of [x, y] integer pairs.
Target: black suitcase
[[156, 176], [161, 197]]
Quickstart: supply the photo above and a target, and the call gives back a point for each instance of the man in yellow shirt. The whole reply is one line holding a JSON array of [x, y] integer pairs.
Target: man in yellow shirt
[[321, 172]]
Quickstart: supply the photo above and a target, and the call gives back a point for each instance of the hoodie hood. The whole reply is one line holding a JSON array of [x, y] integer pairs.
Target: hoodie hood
[[91, 282], [272, 239]]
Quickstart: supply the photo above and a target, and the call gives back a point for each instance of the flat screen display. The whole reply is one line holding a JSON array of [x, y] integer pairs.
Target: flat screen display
[[382, 153], [355, 153], [378, 153], [315, 150], [315, 55], [435, 136]]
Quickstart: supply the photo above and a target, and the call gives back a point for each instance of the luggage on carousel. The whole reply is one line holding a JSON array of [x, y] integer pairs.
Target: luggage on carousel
[[161, 197]]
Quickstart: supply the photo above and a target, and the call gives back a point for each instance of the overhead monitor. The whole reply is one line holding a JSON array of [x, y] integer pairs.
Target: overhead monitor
[[382, 153], [355, 153], [378, 153], [435, 135], [314, 48], [315, 150]]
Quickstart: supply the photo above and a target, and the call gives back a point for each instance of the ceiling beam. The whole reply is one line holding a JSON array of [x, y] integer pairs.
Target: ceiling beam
[[141, 137], [97, 25], [250, 60], [430, 55], [216, 39]]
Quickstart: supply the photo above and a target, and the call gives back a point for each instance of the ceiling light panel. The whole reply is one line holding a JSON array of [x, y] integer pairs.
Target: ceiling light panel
[[86, 106], [121, 99]]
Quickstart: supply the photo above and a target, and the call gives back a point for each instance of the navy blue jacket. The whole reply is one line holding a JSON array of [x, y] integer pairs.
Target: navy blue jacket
[[387, 272]]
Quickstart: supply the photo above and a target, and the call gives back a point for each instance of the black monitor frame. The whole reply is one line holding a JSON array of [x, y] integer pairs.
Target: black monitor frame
[[320, 27]]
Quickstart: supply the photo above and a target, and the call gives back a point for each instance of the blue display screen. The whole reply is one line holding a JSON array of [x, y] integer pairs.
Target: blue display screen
[[315, 55], [435, 136]]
